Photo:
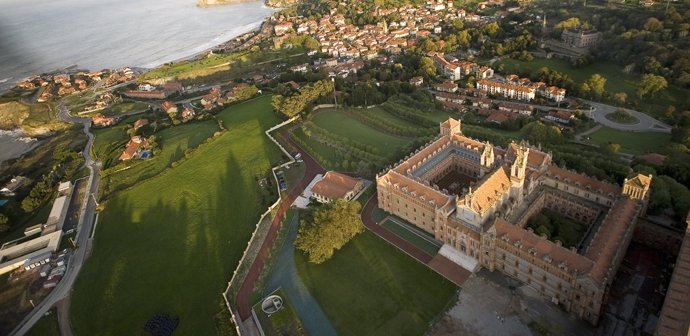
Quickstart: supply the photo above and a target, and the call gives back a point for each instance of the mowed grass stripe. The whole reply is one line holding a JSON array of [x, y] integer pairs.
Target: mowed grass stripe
[[371, 288], [169, 244]]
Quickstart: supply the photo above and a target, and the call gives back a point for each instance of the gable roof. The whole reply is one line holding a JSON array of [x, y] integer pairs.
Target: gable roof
[[335, 185], [490, 190], [544, 248]]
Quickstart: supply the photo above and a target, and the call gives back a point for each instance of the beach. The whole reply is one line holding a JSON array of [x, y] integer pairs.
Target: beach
[[45, 35]]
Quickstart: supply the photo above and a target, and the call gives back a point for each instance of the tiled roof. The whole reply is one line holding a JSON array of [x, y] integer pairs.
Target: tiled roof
[[492, 83], [544, 248], [640, 181], [335, 185], [490, 190], [608, 238], [535, 158], [583, 181], [420, 190]]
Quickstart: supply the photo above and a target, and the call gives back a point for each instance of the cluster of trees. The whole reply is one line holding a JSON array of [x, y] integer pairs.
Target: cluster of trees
[[65, 164], [295, 104], [557, 227], [328, 228], [4, 223], [669, 195], [539, 132], [644, 41]]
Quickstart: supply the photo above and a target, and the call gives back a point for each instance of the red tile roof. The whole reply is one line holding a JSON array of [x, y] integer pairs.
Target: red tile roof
[[335, 185]]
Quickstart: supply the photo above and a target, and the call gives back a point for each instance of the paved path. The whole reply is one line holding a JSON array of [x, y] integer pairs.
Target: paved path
[[86, 219], [285, 275], [645, 122], [244, 294]]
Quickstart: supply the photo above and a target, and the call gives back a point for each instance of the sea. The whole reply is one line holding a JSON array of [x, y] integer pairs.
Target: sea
[[38, 36], [44, 35]]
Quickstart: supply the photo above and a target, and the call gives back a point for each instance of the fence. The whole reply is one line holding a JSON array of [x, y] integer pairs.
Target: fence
[[236, 280]]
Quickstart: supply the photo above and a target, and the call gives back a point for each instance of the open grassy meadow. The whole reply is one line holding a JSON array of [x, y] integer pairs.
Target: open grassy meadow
[[46, 326], [371, 288], [169, 244], [215, 63], [174, 143], [631, 142]]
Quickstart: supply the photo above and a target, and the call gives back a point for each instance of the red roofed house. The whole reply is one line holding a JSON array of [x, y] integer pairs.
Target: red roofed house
[[169, 107], [188, 113], [101, 120], [140, 123], [133, 147], [335, 186], [282, 28], [562, 117], [447, 86]]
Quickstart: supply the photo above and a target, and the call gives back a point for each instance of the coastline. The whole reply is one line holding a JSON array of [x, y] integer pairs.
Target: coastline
[[192, 52]]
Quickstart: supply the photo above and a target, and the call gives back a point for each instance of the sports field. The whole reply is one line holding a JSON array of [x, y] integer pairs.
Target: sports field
[[631, 142], [371, 288], [169, 244]]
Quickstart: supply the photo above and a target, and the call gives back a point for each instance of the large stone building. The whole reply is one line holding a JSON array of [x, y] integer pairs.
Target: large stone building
[[477, 199], [675, 314], [580, 38]]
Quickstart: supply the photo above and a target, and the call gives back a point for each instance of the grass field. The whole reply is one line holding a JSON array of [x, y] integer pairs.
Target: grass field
[[341, 124], [616, 81], [170, 244], [121, 108], [371, 288], [412, 237], [46, 326], [217, 63], [631, 142], [173, 141]]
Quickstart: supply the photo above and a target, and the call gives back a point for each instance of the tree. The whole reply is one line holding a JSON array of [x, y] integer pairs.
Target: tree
[[596, 84], [572, 22], [328, 229], [428, 67], [620, 97], [3, 223], [653, 24], [651, 84]]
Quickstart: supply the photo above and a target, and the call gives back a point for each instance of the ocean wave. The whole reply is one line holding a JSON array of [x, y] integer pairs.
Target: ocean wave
[[5, 80]]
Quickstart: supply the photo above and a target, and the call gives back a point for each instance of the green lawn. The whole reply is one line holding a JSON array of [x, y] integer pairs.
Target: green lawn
[[616, 81], [46, 326], [170, 244], [121, 108], [108, 142], [173, 141], [341, 124], [283, 322], [412, 237], [631, 142], [371, 288]]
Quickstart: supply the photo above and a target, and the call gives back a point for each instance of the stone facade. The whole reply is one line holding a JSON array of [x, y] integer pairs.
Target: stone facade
[[477, 198]]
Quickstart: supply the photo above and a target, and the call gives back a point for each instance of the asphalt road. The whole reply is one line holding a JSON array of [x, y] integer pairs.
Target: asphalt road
[[84, 228]]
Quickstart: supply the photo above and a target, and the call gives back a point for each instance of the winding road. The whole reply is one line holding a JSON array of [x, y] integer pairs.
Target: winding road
[[86, 219]]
